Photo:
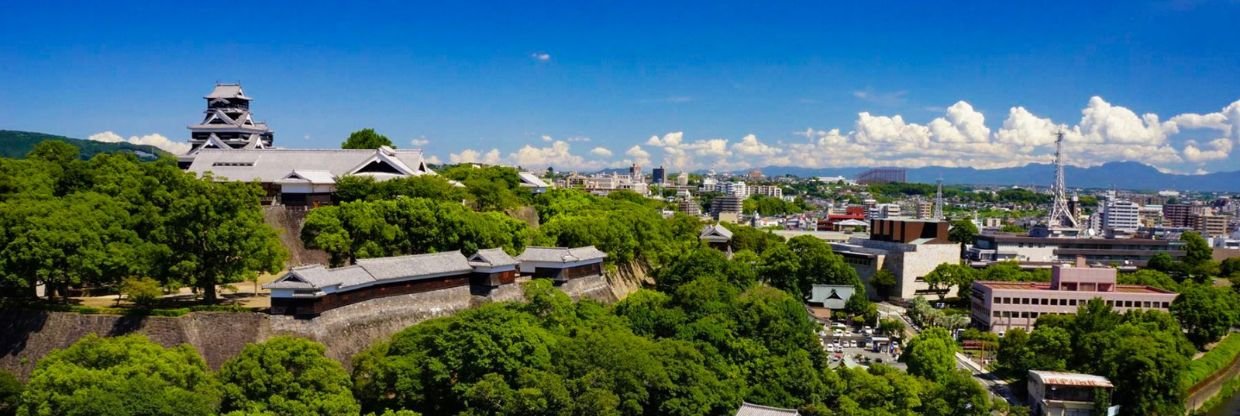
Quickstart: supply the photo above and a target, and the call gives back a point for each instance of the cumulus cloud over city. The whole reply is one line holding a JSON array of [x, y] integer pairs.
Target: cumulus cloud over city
[[153, 139], [961, 136]]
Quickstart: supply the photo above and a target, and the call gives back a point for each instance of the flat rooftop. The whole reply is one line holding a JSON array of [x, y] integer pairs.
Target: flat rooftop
[[1047, 287], [1058, 378]]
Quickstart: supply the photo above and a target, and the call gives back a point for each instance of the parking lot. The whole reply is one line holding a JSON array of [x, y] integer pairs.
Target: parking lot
[[847, 346]]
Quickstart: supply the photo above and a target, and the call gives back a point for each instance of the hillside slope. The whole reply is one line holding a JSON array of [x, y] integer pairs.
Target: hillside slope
[[16, 144]]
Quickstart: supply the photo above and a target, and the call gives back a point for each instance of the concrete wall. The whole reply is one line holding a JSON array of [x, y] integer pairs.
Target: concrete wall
[[915, 265]]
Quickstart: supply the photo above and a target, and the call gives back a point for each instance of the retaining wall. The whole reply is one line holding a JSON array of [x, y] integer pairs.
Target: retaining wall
[[28, 335]]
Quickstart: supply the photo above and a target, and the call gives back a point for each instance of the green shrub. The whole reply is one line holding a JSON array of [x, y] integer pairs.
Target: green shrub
[[1216, 359], [142, 291]]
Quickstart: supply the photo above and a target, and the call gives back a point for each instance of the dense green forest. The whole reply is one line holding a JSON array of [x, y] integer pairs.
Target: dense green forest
[[16, 144], [67, 222]]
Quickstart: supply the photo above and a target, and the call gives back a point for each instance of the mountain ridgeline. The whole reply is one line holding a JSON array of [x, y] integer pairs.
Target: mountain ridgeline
[[16, 144], [1121, 175]]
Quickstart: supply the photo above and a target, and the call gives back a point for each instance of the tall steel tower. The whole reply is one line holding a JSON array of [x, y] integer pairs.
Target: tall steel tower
[[1060, 214], [938, 201]]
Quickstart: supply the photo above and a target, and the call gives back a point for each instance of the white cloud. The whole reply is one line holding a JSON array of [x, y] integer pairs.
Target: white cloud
[[153, 139], [958, 137], [473, 156], [889, 99], [577, 139], [638, 155], [541, 56], [1218, 149], [419, 142], [751, 146], [434, 160]]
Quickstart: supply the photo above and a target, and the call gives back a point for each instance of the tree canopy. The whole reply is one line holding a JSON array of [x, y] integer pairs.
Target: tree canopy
[[1142, 352], [126, 375], [286, 376], [1206, 312], [68, 222], [366, 139]]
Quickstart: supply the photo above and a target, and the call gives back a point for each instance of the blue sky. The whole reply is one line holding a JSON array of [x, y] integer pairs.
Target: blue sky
[[581, 85]]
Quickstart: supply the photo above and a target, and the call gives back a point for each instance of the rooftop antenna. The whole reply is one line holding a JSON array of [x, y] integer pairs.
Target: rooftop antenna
[[938, 201], [1060, 215]]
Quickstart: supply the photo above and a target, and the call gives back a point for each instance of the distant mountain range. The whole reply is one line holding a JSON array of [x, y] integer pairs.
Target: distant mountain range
[[1119, 175], [16, 144]]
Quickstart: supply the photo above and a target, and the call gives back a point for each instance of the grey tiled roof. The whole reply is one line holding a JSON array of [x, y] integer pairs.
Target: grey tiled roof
[[385, 268], [308, 176], [376, 270], [748, 409], [561, 254], [492, 257], [227, 91], [271, 165], [716, 229]]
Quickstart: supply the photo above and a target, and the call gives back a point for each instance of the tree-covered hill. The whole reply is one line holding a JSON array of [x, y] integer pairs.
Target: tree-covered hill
[[16, 144]]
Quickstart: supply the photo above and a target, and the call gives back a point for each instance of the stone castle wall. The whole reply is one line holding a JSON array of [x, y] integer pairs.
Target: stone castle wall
[[28, 335]]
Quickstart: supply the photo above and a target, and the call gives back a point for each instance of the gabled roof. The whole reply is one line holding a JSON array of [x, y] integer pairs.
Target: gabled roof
[[271, 165], [492, 257], [530, 179], [318, 277], [716, 230], [750, 409], [227, 91], [561, 254], [308, 176]]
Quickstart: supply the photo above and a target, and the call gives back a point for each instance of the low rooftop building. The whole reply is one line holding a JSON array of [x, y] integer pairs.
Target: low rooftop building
[[312, 290], [909, 249], [1053, 393], [750, 409], [1001, 306], [1047, 250], [561, 263]]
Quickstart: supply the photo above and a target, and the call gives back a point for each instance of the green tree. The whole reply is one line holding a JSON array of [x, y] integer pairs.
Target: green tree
[[63, 242], [962, 231], [10, 393], [885, 282], [1229, 267], [1149, 277], [220, 236], [1206, 312], [891, 326], [1198, 258], [957, 394], [946, 275], [1162, 262], [286, 376], [366, 139], [143, 291], [127, 375], [931, 354]]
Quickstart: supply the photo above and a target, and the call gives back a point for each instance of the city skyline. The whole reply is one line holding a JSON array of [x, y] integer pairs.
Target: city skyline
[[689, 86]]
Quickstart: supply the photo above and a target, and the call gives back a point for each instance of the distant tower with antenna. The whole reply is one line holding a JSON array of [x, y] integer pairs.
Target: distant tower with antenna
[[1060, 214], [938, 201]]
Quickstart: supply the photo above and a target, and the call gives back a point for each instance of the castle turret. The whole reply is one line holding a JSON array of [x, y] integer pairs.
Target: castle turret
[[227, 124]]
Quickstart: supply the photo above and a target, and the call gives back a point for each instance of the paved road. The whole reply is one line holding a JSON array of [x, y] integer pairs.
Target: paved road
[[997, 386]]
